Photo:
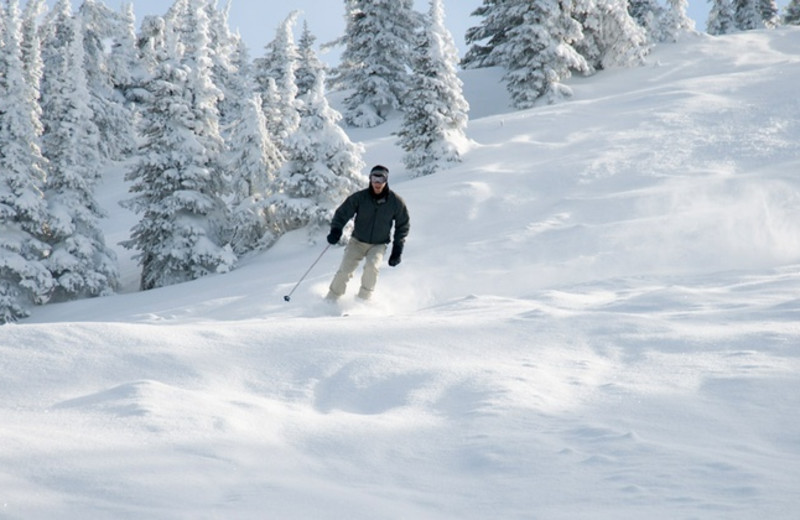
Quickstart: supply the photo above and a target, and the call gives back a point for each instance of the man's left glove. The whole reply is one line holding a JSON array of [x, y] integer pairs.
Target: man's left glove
[[397, 252]]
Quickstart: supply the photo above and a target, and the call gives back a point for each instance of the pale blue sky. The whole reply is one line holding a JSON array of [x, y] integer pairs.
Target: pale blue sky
[[257, 20]]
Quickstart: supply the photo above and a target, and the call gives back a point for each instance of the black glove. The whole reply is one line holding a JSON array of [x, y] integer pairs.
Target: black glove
[[397, 252], [334, 236]]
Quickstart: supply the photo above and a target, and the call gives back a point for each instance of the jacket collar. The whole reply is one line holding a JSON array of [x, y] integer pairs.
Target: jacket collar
[[379, 197]]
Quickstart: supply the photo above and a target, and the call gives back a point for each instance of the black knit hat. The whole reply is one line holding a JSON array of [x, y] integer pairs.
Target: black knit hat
[[380, 172]]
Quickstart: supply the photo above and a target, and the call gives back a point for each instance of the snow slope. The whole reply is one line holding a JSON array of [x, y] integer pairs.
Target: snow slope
[[597, 317]]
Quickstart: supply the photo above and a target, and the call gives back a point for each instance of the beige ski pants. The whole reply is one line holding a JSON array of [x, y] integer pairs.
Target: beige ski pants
[[354, 253]]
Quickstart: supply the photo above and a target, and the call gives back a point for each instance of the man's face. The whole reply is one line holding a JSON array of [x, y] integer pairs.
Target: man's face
[[378, 183]]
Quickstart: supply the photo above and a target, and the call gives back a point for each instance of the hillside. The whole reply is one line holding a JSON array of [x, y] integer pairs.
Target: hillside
[[597, 317]]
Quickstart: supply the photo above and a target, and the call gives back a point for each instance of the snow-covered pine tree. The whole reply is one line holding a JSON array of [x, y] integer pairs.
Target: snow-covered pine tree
[[769, 13], [251, 156], [254, 160], [202, 59], [31, 53], [113, 119], [240, 85], [177, 181], [150, 45], [647, 14], [661, 24], [675, 22], [271, 108], [80, 262], [308, 63], [792, 14], [720, 18], [323, 167], [747, 15], [498, 20], [2, 28], [65, 95], [123, 62], [32, 43], [338, 75], [540, 53], [175, 19], [24, 278], [436, 114], [275, 75], [230, 64], [376, 61], [611, 38]]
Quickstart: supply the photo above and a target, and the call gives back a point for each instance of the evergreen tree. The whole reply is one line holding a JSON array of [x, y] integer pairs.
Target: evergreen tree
[[271, 108], [240, 85], [175, 20], [308, 63], [177, 181], [338, 78], [647, 14], [661, 24], [31, 53], [150, 46], [67, 116], [251, 156], [2, 28], [755, 14], [114, 121], [376, 61], [721, 18], [323, 167], [498, 20], [435, 116], [275, 80], [229, 64], [259, 157], [769, 13], [31, 43], [123, 65], [611, 38], [206, 96], [240, 88], [747, 15], [254, 159], [24, 278], [675, 21], [792, 13], [80, 262], [539, 53]]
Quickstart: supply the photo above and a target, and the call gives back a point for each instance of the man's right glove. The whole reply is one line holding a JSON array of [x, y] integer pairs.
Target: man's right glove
[[334, 236], [397, 252]]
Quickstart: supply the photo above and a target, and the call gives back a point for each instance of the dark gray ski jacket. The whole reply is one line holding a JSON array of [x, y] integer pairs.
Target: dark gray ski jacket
[[374, 216]]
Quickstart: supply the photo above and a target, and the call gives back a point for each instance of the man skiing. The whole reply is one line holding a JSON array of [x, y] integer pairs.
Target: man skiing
[[376, 209]]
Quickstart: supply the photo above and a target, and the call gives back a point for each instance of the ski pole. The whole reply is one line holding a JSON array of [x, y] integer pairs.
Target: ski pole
[[289, 296]]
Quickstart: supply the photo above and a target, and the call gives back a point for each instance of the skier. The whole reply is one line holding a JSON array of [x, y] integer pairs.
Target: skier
[[375, 209]]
